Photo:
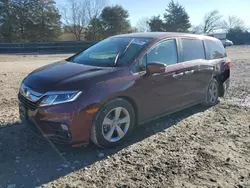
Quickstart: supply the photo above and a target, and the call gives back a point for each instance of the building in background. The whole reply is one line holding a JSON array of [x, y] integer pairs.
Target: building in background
[[221, 36]]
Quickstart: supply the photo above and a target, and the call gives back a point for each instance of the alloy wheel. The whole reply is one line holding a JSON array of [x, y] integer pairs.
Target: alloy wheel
[[213, 92], [116, 124]]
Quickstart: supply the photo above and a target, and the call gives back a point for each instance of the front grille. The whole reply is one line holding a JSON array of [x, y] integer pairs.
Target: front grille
[[27, 103]]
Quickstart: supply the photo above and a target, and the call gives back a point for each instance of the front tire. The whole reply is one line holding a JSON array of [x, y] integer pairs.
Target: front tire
[[212, 95], [113, 123]]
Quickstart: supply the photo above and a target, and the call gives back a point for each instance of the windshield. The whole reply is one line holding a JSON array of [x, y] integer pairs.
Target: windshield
[[108, 51]]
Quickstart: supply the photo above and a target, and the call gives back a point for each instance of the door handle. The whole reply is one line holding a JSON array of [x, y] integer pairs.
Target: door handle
[[189, 72], [178, 75]]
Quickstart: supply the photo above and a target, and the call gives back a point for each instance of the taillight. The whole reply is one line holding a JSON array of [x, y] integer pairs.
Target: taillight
[[229, 63]]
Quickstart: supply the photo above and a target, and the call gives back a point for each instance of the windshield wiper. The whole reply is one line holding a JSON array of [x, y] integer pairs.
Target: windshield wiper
[[116, 58], [119, 55]]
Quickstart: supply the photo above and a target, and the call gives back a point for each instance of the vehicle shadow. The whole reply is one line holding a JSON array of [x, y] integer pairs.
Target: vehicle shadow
[[28, 161]]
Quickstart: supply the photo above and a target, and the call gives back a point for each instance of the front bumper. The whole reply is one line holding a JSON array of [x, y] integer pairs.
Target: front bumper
[[53, 133], [47, 121]]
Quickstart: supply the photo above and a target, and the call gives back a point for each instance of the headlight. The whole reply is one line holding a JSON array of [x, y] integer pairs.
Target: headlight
[[52, 98]]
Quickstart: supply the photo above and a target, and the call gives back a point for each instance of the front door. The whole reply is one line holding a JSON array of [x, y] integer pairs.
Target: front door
[[161, 93]]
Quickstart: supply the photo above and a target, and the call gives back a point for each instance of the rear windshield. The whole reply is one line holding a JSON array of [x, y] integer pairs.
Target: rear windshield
[[111, 50], [215, 49]]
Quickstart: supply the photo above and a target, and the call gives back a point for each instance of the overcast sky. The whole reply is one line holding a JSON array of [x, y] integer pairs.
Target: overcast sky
[[195, 8]]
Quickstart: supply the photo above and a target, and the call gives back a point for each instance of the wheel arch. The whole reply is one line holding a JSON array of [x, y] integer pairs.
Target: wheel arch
[[221, 78], [134, 105], [128, 99]]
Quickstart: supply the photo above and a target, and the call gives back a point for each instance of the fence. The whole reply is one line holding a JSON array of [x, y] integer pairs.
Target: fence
[[44, 47]]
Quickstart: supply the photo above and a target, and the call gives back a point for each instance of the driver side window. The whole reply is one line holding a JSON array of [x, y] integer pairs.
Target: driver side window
[[164, 52]]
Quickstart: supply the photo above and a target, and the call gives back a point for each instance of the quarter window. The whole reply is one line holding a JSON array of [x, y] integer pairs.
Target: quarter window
[[192, 49], [215, 49], [135, 68], [143, 63]]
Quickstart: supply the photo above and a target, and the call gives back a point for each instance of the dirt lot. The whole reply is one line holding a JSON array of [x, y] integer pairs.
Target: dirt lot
[[196, 147]]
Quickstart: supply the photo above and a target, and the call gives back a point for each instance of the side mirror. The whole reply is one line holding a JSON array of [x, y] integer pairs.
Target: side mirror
[[155, 67]]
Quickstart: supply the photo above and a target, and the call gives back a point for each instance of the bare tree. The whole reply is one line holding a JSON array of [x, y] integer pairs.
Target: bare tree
[[233, 22], [143, 25], [196, 29], [94, 8], [79, 13], [211, 21], [74, 19]]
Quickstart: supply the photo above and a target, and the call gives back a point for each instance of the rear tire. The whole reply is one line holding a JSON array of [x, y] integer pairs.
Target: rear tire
[[212, 94], [113, 123]]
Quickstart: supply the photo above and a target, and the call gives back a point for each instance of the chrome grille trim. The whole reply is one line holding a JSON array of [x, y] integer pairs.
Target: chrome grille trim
[[27, 103], [30, 94]]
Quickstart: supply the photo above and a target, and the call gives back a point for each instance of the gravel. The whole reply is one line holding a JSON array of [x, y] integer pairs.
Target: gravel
[[197, 147]]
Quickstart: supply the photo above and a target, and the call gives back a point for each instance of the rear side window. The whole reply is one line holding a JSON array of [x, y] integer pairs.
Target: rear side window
[[192, 49], [215, 49]]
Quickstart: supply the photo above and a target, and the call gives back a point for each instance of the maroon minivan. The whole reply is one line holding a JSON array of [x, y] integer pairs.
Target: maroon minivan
[[103, 92]]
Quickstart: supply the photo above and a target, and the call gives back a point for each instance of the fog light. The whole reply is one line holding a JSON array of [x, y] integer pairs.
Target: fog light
[[64, 127]]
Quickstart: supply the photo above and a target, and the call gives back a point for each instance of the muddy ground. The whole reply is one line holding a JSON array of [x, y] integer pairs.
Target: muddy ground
[[196, 147]]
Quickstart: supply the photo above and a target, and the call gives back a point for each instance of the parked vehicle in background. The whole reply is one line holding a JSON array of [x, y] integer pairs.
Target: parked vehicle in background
[[103, 92], [221, 36], [228, 43]]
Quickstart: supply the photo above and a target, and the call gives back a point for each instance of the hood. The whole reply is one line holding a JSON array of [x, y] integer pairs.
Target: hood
[[64, 75]]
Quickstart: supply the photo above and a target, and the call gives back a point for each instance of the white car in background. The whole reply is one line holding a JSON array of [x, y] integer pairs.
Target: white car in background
[[228, 43]]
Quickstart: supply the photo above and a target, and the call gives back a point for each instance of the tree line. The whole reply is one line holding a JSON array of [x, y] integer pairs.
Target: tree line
[[41, 21], [29, 20], [92, 20]]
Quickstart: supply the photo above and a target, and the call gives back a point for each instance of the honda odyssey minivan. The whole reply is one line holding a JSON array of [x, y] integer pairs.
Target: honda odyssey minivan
[[102, 93]]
